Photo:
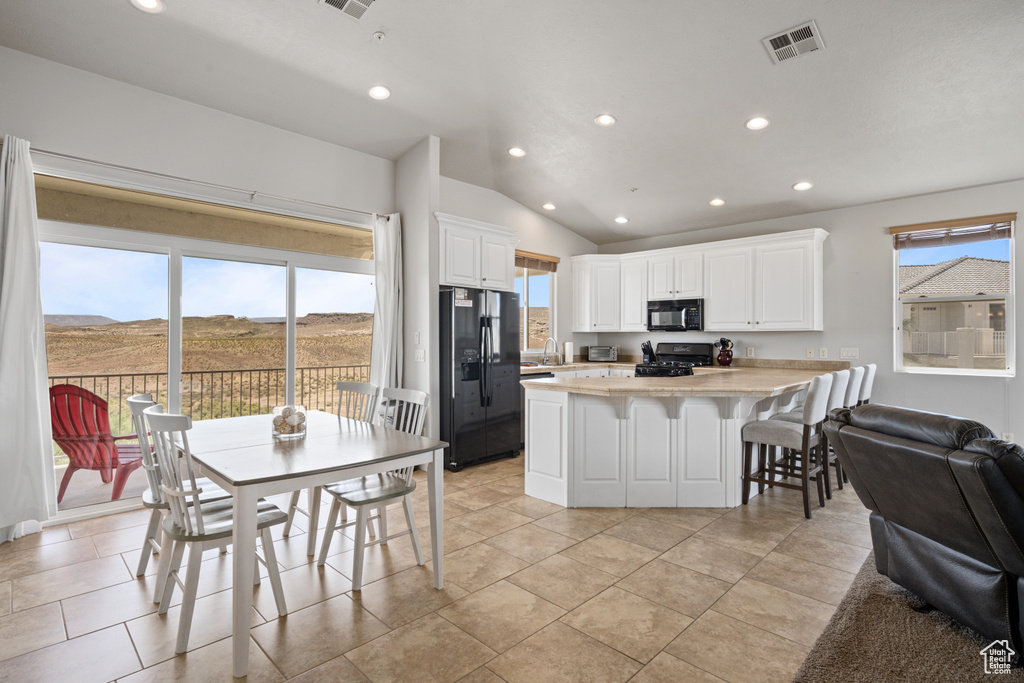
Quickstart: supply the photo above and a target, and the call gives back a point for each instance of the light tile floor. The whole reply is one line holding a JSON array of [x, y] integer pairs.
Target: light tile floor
[[534, 593]]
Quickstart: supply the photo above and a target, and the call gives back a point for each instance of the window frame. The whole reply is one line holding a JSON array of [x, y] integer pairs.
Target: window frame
[[177, 248], [1010, 322], [525, 330]]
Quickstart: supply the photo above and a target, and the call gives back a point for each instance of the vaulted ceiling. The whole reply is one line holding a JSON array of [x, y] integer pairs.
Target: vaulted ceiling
[[906, 97]]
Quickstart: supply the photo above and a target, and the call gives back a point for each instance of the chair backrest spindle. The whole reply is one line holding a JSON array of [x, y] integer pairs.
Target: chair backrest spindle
[[404, 409], [357, 400]]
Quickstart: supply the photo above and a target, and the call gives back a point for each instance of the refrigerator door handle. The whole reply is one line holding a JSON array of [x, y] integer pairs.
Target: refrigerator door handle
[[483, 361], [490, 350]]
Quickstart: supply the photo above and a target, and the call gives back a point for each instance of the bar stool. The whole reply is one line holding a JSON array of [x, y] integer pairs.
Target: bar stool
[[799, 439], [869, 381], [836, 399]]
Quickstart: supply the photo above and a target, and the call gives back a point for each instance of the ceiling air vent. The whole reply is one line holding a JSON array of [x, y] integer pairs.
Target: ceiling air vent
[[353, 8], [794, 42]]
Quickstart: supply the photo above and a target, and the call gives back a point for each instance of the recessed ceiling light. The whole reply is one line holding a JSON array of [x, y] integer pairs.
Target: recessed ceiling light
[[621, 219], [757, 123], [802, 186], [605, 120], [549, 206], [716, 202], [517, 151], [379, 92], [151, 6]]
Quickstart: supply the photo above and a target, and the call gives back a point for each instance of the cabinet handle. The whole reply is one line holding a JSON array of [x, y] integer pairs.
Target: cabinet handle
[[485, 279]]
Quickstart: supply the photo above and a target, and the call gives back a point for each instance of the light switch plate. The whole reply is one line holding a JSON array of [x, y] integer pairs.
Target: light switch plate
[[849, 353]]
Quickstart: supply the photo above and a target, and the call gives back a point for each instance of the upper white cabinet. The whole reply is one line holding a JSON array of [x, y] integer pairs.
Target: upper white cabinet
[[769, 283], [596, 295], [633, 295], [675, 274], [729, 304], [475, 254]]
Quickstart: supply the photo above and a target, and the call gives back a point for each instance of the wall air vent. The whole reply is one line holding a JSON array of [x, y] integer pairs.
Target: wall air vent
[[353, 8], [794, 42]]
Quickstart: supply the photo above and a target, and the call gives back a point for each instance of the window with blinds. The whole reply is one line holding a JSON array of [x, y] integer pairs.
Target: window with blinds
[[535, 277], [954, 295]]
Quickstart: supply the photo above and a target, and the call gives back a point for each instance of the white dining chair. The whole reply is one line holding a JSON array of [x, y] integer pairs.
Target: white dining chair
[[153, 499], [404, 410], [356, 400], [853, 390], [198, 524]]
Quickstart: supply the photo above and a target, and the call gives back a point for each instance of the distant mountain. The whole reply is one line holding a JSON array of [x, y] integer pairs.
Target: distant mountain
[[78, 320]]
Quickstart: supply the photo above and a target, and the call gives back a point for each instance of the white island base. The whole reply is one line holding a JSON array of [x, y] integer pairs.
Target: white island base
[[585, 449]]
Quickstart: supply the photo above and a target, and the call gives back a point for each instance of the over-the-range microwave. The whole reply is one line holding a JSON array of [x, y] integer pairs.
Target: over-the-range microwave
[[679, 315]]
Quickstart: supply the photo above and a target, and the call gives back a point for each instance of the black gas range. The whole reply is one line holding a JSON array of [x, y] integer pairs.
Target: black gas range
[[674, 360]]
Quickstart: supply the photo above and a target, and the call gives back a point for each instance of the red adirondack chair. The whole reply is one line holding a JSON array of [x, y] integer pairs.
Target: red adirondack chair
[[81, 427]]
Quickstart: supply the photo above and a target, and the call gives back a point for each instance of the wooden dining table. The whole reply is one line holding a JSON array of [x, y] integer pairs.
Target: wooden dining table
[[242, 456]]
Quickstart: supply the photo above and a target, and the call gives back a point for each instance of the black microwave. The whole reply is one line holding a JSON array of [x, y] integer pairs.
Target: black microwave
[[679, 315]]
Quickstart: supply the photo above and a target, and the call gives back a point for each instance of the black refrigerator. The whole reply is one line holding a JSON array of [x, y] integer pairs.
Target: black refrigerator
[[480, 414]]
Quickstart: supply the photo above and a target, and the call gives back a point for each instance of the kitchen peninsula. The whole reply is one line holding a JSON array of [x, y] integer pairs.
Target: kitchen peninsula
[[648, 442]]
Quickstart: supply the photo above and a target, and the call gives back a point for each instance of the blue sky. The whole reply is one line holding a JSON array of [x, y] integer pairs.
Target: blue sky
[[540, 295], [129, 285], [995, 249]]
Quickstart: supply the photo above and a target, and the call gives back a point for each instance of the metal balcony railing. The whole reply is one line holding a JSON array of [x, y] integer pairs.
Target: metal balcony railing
[[224, 393]]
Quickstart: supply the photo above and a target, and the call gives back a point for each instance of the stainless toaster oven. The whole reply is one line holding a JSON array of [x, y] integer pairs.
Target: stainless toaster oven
[[604, 354]]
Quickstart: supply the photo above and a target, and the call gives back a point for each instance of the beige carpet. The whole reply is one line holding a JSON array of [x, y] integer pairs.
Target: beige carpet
[[875, 636]]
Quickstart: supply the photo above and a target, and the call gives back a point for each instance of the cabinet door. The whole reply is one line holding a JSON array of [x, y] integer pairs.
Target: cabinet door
[[784, 286], [497, 264], [580, 297], [650, 458], [633, 295], [597, 372], [689, 276], [599, 465], [661, 278], [728, 290], [462, 258], [605, 297]]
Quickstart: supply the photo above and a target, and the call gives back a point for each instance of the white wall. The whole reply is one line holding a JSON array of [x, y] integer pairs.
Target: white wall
[[62, 109], [416, 194], [859, 300], [537, 233]]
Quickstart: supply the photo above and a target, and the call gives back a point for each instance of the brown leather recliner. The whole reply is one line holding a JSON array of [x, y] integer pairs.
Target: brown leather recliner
[[947, 510]]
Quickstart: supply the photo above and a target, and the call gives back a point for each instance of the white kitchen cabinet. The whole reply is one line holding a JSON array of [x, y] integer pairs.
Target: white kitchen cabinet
[[633, 295], [596, 293], [475, 254], [768, 284], [729, 277], [614, 372], [596, 372], [676, 274]]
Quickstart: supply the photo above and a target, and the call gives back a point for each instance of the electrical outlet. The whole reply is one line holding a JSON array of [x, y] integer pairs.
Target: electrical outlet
[[1006, 436], [849, 354], [416, 338], [810, 352], [750, 352], [823, 352], [421, 356]]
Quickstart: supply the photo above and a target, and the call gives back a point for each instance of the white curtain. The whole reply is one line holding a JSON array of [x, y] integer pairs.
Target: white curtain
[[27, 487], [386, 356]]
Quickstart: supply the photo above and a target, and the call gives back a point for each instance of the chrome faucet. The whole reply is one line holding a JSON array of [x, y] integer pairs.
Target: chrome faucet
[[544, 358]]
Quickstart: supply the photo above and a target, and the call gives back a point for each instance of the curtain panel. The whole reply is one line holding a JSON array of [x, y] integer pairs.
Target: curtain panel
[[386, 356], [27, 486]]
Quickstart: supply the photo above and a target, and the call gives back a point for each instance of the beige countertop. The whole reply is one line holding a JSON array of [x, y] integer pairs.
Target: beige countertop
[[570, 367], [710, 382]]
